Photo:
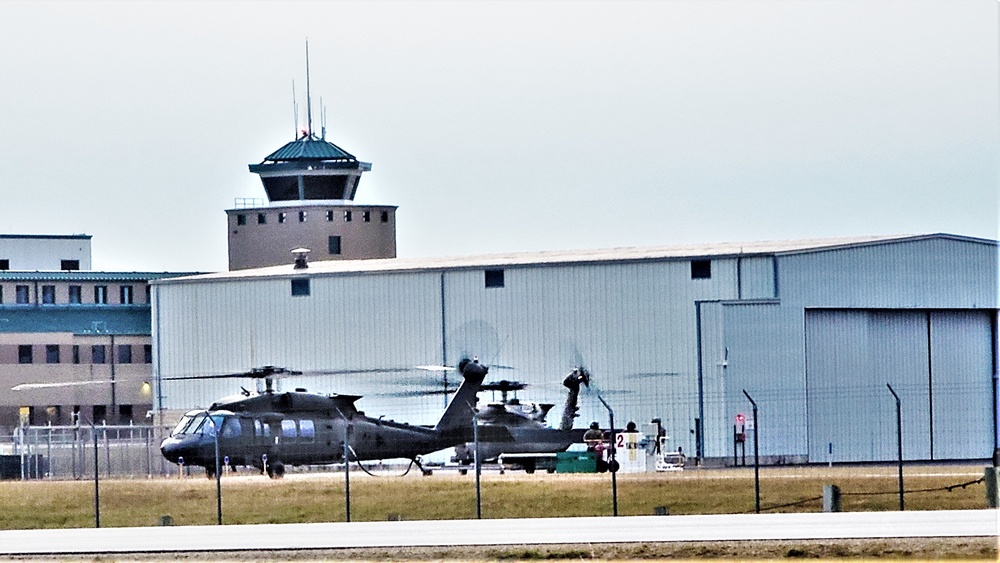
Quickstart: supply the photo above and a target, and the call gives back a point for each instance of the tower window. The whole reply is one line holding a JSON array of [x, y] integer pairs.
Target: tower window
[[68, 265], [75, 294], [147, 353], [261, 219], [329, 215], [4, 263], [241, 219], [300, 287], [101, 294], [75, 353], [49, 294], [24, 354], [347, 216], [366, 216], [494, 278], [23, 295], [302, 216], [385, 216], [126, 294], [335, 244], [281, 217], [701, 269]]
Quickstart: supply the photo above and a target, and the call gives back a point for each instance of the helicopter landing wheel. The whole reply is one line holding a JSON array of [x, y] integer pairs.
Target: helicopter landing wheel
[[276, 470]]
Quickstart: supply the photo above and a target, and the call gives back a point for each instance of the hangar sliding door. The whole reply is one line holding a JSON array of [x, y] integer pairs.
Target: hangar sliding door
[[938, 362]]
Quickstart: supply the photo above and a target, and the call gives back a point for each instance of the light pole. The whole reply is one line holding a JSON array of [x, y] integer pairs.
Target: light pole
[[899, 441], [347, 470], [612, 463], [97, 480], [479, 465], [756, 458], [218, 473]]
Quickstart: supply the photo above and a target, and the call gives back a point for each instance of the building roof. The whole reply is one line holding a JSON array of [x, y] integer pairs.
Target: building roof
[[77, 319], [72, 237], [86, 275], [569, 257], [309, 148]]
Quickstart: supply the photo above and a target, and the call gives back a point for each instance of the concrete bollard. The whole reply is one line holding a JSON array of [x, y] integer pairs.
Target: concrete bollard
[[831, 498]]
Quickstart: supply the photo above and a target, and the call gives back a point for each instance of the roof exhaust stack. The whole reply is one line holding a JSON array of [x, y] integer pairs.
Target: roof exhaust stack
[[301, 258]]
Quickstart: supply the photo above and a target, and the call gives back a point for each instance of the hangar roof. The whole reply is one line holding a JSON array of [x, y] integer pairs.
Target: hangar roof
[[569, 257]]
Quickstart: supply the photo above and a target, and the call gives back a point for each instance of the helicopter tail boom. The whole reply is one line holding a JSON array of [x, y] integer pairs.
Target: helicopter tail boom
[[458, 415]]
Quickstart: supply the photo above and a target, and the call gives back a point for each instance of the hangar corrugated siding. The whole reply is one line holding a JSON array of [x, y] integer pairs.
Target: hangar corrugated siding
[[762, 322]]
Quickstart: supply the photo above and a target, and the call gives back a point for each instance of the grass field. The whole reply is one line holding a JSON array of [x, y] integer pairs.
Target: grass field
[[319, 497]]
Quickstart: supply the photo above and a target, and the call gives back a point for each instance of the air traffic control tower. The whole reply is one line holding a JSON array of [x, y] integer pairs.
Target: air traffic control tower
[[310, 185]]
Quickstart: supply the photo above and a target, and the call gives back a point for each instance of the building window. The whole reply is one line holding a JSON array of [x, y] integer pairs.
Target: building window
[[701, 269], [76, 353], [281, 217], [366, 216], [334, 243], [97, 354], [24, 354], [49, 294], [125, 294], [147, 353], [302, 216], [241, 219], [494, 278], [149, 292], [4, 263], [329, 215], [99, 414], [52, 353], [385, 216], [300, 287], [261, 219], [101, 294], [1, 295], [23, 294], [69, 265], [347, 216], [124, 354], [125, 414], [75, 294]]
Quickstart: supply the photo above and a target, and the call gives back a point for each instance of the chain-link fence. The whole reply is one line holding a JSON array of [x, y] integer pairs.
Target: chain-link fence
[[69, 452]]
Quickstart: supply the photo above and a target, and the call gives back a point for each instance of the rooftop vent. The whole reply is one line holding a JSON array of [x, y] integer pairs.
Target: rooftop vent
[[301, 258]]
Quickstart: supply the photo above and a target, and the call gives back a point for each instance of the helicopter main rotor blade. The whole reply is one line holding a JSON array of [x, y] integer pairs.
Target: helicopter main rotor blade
[[28, 386]]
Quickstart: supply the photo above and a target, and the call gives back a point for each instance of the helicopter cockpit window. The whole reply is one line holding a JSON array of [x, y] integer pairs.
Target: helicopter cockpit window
[[288, 428], [185, 424], [307, 429]]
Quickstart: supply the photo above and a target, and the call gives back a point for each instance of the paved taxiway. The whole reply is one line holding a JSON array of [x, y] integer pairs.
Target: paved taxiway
[[944, 523]]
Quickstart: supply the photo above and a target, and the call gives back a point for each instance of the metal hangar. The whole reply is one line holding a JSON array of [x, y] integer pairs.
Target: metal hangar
[[813, 330]]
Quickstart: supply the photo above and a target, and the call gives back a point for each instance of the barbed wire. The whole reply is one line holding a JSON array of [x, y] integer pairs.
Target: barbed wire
[[948, 488]]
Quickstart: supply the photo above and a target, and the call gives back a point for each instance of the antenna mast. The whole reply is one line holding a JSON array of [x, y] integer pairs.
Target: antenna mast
[[295, 112], [309, 118]]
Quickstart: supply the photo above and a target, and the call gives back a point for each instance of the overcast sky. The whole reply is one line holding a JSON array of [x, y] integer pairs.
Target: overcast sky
[[505, 126]]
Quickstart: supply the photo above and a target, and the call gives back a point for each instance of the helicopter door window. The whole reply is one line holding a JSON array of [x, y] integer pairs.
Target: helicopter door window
[[307, 430], [288, 429], [231, 428]]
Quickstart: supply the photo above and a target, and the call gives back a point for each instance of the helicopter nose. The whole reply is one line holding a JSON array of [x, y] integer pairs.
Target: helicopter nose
[[173, 449]]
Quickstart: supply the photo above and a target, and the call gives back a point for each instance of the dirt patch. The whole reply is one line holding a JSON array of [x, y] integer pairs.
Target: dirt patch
[[966, 549]]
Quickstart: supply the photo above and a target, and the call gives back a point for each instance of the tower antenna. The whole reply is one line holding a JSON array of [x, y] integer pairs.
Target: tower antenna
[[295, 112], [309, 115], [322, 119]]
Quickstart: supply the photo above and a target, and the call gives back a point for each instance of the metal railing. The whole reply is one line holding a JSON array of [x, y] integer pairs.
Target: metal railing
[[67, 452]]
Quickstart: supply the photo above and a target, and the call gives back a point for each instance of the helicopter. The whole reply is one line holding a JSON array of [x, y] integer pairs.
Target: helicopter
[[525, 422], [269, 430]]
